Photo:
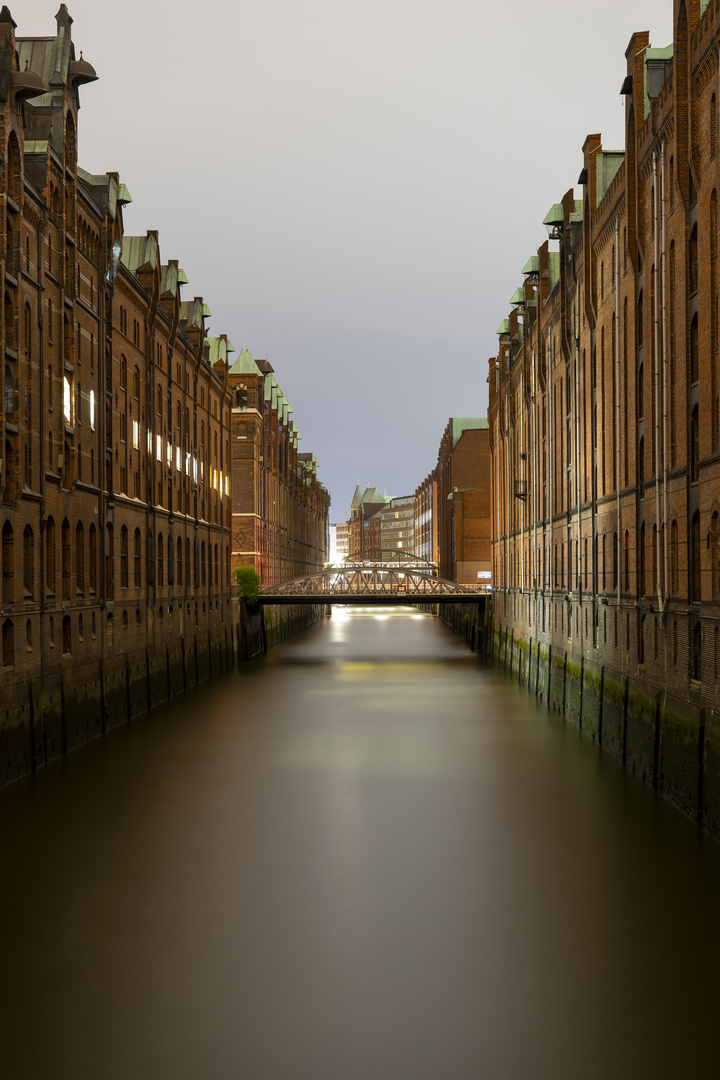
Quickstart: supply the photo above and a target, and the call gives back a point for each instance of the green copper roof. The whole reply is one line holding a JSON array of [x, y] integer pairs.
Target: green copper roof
[[182, 277], [607, 165], [461, 424], [554, 215], [532, 266], [124, 195], [504, 327], [518, 297], [244, 364], [219, 348]]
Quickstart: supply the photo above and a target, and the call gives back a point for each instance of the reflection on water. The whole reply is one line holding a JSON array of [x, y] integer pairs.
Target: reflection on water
[[365, 856]]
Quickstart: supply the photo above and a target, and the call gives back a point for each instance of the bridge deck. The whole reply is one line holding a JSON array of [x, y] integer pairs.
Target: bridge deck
[[372, 599]]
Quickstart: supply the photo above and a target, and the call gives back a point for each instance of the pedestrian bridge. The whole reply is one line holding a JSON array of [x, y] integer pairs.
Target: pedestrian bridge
[[372, 583]]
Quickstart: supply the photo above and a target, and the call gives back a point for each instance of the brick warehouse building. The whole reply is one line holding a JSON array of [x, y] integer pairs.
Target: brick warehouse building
[[279, 507], [115, 515], [605, 428], [462, 510]]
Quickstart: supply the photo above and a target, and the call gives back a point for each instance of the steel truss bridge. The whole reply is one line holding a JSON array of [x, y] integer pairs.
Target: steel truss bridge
[[391, 582]]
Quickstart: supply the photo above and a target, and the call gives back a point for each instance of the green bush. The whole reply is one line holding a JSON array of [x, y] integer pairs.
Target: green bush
[[248, 582]]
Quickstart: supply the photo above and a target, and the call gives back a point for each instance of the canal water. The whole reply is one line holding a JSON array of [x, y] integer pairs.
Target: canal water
[[367, 856]]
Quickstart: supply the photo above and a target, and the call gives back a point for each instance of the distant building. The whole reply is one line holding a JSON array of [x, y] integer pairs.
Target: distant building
[[426, 544], [365, 509], [342, 541], [463, 502], [397, 527]]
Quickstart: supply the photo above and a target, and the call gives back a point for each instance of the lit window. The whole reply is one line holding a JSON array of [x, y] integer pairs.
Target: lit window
[[178, 460], [67, 400], [136, 435], [158, 447], [169, 455], [92, 409]]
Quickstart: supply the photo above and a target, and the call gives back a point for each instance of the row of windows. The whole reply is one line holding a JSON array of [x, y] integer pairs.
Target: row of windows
[[164, 559], [564, 560], [66, 629]]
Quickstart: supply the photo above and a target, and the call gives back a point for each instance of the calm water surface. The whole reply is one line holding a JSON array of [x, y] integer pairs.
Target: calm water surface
[[366, 856]]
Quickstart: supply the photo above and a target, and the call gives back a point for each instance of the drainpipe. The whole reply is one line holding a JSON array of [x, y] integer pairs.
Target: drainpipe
[[576, 408], [656, 316], [665, 395], [498, 512], [551, 419], [534, 479], [522, 481], [617, 400], [507, 496]]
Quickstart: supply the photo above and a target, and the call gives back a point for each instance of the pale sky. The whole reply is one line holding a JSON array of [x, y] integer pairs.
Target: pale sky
[[353, 188]]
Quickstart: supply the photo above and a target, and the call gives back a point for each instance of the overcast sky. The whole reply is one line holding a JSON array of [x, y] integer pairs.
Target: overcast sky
[[353, 188]]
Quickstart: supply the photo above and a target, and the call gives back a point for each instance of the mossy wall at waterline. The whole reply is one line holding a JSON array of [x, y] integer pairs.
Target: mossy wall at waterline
[[670, 744], [44, 718]]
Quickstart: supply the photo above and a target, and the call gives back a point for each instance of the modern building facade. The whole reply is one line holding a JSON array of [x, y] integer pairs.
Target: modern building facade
[[397, 528], [342, 541], [605, 419], [426, 544]]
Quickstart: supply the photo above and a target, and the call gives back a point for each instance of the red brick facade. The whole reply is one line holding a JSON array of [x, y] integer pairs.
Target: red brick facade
[[280, 508], [604, 397], [116, 428], [463, 502]]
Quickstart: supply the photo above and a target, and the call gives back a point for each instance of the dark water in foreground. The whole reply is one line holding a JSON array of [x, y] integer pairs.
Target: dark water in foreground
[[364, 857]]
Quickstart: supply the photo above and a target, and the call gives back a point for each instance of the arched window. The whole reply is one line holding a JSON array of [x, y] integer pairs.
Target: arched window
[[66, 635], [136, 382], [8, 643], [695, 556], [217, 578], [80, 558], [123, 373], [653, 559], [65, 559], [627, 561], [109, 562], [50, 542], [124, 557], [693, 260], [160, 561], [615, 562], [92, 558], [28, 562], [170, 561], [694, 348], [8, 564], [674, 570], [202, 563], [179, 561], [715, 553], [137, 570], [641, 562], [696, 654], [695, 444]]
